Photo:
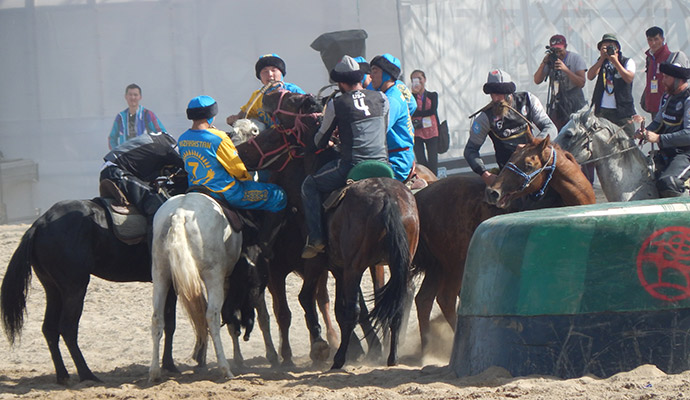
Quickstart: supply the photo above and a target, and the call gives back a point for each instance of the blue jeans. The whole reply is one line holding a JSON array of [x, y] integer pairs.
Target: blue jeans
[[330, 177]]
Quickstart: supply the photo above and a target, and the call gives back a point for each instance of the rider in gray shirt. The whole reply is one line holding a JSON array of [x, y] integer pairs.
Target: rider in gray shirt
[[505, 121]]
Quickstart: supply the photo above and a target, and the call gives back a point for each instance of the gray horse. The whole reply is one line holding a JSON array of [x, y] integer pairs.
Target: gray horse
[[621, 167]]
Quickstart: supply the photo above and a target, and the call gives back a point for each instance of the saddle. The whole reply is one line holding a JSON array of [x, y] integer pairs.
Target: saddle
[[128, 224], [236, 219], [363, 170]]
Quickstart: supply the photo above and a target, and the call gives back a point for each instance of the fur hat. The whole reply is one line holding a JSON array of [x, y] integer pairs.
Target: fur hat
[[363, 64], [499, 82], [609, 37], [347, 70], [388, 64], [269, 60], [202, 107], [675, 70]]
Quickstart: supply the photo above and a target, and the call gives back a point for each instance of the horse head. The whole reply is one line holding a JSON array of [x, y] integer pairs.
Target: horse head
[[528, 171], [296, 115], [577, 135], [296, 119]]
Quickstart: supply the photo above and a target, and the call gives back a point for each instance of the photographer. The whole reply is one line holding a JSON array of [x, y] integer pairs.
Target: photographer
[[566, 73], [612, 98]]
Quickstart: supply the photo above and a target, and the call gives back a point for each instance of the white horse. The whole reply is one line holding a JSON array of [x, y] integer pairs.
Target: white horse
[[193, 247], [621, 166]]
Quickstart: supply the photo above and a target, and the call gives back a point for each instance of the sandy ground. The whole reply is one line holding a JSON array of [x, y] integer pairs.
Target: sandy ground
[[115, 339]]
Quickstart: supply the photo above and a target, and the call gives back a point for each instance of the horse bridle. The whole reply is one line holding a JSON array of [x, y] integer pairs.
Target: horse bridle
[[529, 178], [289, 148], [298, 128], [589, 133]]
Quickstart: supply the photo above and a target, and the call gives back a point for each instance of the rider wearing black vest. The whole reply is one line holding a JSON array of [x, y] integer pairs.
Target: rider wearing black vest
[[613, 77], [671, 130], [505, 125], [136, 163], [361, 117]]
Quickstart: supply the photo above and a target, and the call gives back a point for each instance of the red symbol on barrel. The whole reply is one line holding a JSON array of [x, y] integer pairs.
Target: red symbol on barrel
[[663, 263]]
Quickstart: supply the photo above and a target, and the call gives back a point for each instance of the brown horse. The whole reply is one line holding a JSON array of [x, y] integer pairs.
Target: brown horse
[[376, 223], [451, 209]]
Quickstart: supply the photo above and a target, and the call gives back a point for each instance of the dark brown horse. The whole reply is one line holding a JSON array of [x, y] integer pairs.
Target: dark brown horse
[[376, 223], [451, 209]]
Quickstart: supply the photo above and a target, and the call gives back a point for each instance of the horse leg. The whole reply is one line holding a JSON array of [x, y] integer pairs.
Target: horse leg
[[312, 276], [346, 310], [236, 351], [377, 276], [447, 301], [162, 286], [72, 308], [265, 326], [324, 303], [216, 295], [51, 333], [373, 342], [425, 302], [395, 332], [281, 309], [169, 316]]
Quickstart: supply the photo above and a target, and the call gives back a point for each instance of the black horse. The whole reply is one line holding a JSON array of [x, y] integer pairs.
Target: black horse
[[66, 245]]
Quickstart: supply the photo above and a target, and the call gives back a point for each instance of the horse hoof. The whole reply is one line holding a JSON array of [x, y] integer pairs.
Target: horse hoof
[[171, 368], [288, 363], [155, 376], [320, 351]]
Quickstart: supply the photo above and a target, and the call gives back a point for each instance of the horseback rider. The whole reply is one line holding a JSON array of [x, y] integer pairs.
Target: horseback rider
[[268, 68], [505, 120], [670, 129], [135, 164], [361, 117], [211, 160], [385, 70]]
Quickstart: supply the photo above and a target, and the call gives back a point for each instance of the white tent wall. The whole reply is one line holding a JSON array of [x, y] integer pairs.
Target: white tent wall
[[458, 42], [65, 66], [65, 63]]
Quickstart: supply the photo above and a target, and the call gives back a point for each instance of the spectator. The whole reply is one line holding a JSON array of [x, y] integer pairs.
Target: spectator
[[657, 54], [425, 122], [134, 121], [502, 121], [566, 73], [612, 98]]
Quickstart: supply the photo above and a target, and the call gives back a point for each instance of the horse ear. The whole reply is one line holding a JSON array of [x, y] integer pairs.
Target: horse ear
[[529, 135], [544, 143]]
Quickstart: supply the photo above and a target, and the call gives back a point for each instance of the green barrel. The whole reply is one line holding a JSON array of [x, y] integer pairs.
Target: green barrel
[[592, 289]]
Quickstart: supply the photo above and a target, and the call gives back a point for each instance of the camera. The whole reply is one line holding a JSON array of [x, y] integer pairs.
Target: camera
[[610, 50], [553, 55]]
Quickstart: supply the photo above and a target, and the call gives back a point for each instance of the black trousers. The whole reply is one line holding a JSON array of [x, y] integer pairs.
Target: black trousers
[[673, 171], [430, 159]]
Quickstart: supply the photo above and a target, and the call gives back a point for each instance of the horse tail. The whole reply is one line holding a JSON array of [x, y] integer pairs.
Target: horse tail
[[186, 278], [390, 299], [15, 287]]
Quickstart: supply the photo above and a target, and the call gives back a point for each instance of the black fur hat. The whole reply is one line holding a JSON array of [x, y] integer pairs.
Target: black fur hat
[[675, 71], [273, 60], [387, 63], [347, 70]]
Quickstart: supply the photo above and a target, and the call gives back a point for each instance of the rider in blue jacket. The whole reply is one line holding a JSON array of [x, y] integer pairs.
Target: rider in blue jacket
[[385, 70]]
